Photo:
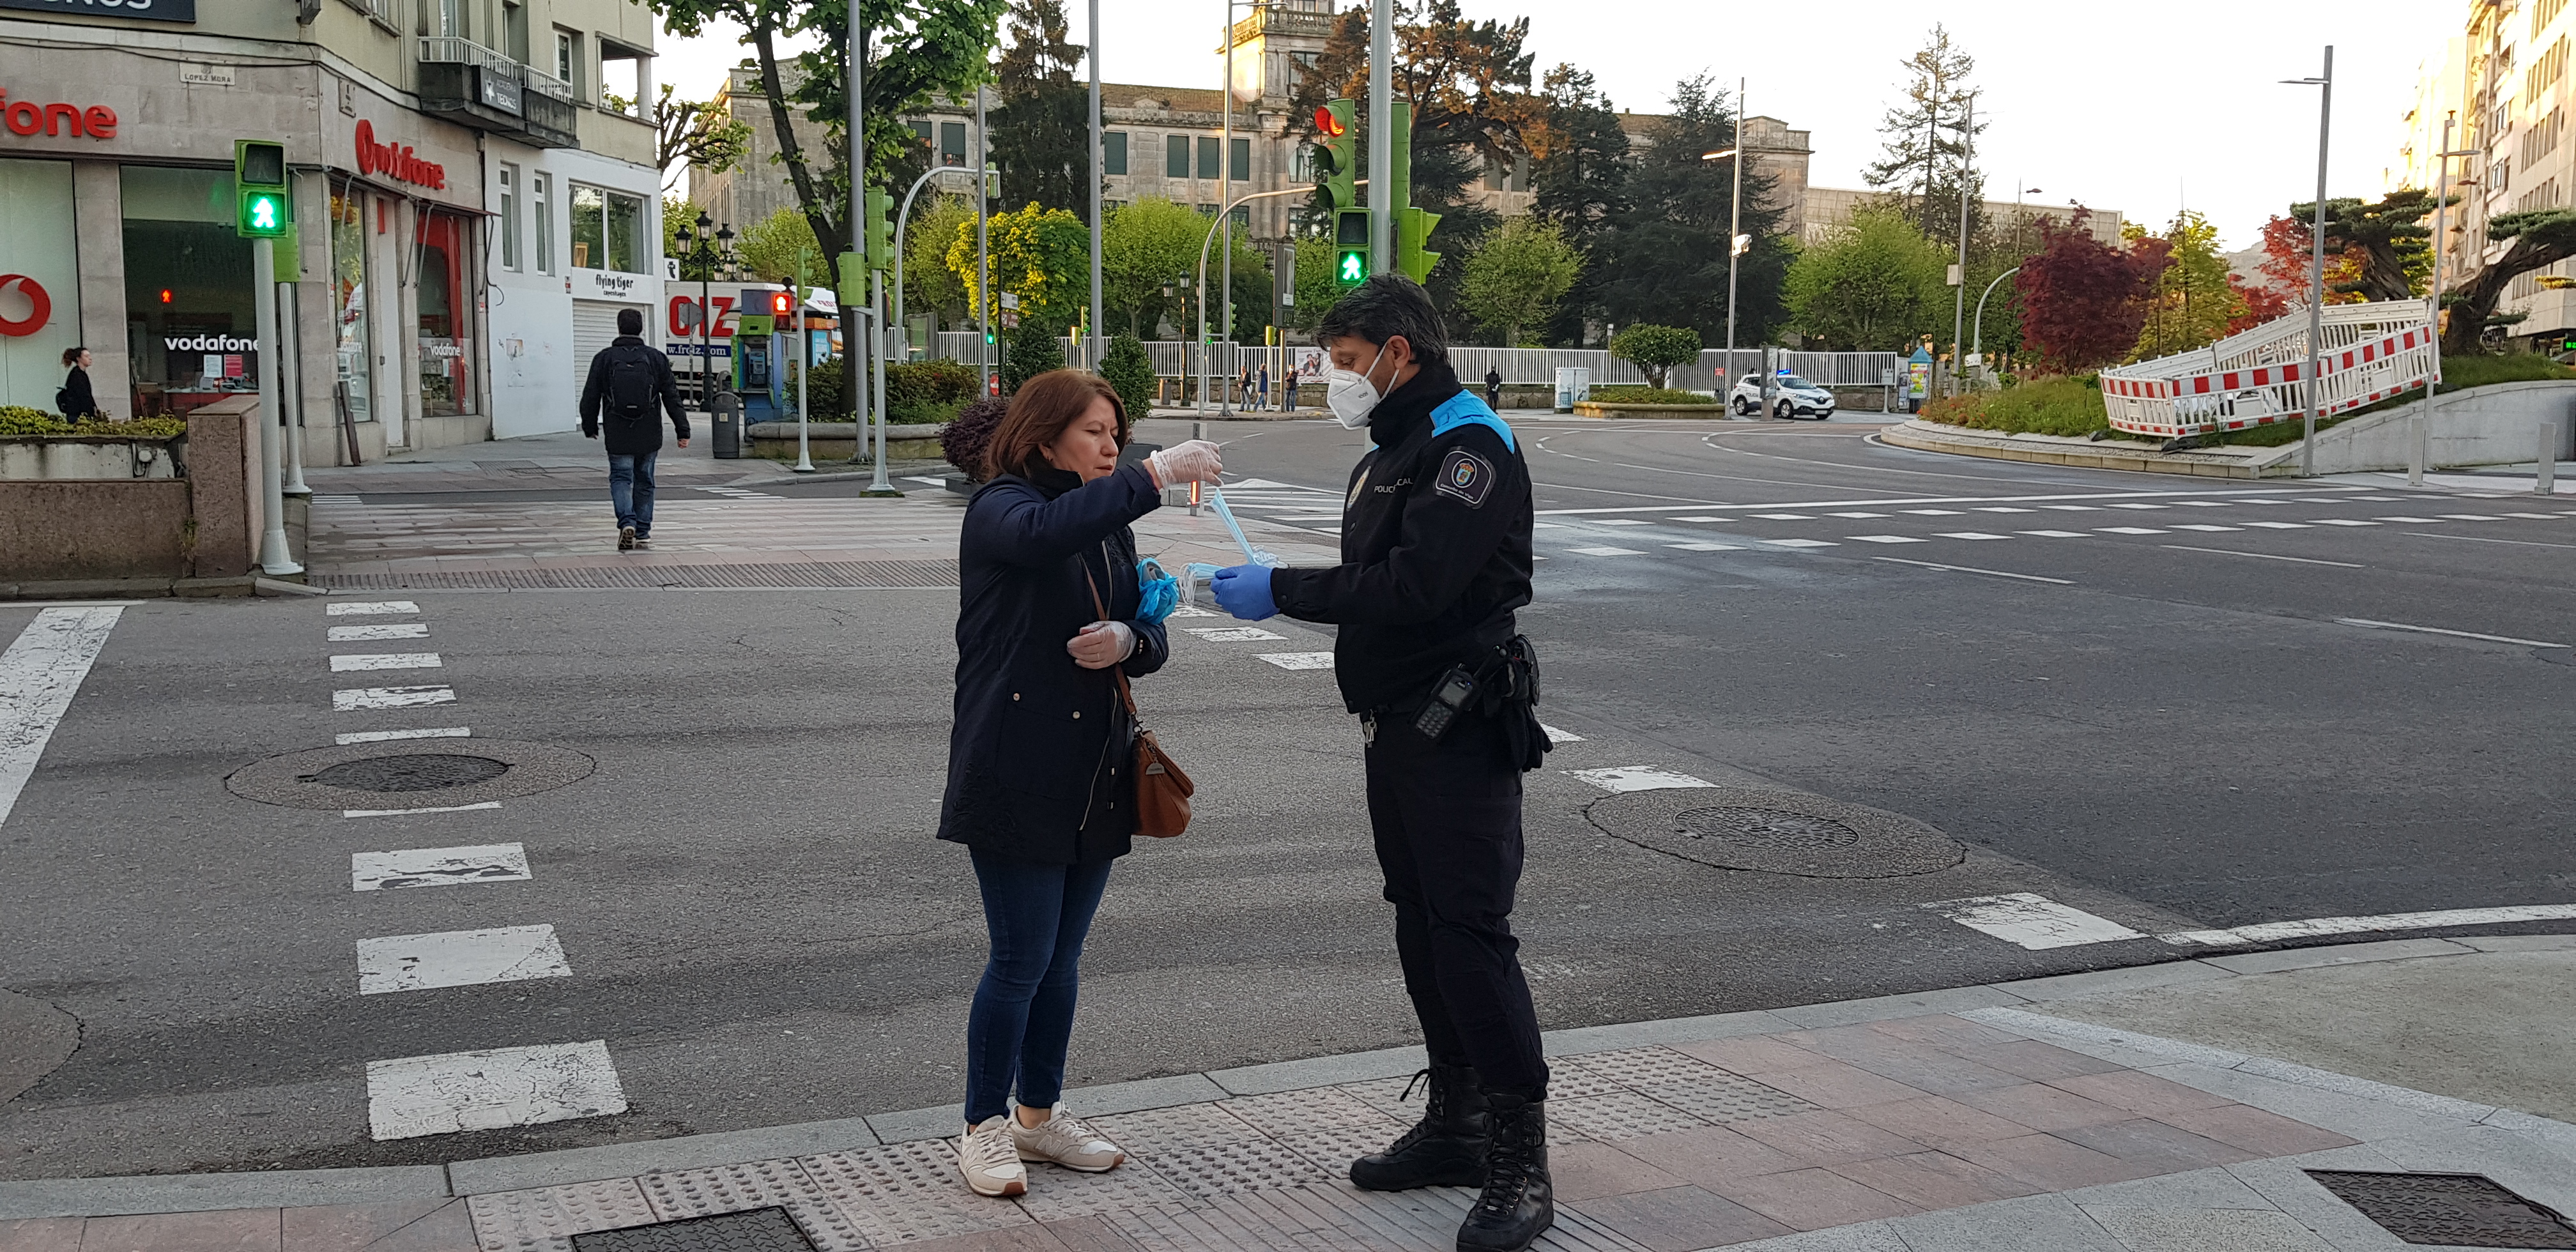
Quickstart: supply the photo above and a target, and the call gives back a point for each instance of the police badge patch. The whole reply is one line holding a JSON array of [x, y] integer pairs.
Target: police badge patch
[[1466, 476]]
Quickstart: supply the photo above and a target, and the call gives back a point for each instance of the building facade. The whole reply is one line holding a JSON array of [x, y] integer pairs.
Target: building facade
[[471, 185]]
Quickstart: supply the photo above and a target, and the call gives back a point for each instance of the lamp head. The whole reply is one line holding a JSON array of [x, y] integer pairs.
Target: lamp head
[[704, 221], [1717, 156]]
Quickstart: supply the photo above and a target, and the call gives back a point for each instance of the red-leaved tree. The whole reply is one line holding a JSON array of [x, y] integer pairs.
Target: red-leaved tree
[[2286, 259], [2083, 301]]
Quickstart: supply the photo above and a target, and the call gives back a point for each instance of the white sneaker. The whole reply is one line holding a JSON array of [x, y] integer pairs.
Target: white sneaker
[[986, 1156], [1065, 1140]]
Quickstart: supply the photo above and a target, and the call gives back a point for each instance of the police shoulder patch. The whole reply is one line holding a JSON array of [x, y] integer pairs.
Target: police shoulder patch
[[1467, 476]]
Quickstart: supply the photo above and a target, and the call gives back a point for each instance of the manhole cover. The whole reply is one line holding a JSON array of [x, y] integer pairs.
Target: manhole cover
[[409, 774], [2461, 1210], [753, 1230], [1776, 832], [428, 772], [1765, 828]]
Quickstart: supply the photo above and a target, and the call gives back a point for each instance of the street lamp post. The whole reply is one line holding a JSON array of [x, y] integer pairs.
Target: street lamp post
[[2324, 83], [1091, 348], [1207, 358], [1959, 297], [1734, 235], [1977, 340], [2419, 451]]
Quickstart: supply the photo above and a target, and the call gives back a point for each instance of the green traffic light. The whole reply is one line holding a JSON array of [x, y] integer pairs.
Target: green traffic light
[[1353, 267], [263, 213]]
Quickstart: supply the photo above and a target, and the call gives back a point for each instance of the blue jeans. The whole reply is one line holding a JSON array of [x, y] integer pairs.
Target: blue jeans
[[630, 490], [1022, 1019]]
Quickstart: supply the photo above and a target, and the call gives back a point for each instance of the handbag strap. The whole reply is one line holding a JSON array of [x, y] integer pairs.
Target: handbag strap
[[1119, 667]]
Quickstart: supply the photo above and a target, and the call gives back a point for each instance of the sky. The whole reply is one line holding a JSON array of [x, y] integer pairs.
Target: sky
[[2146, 111]]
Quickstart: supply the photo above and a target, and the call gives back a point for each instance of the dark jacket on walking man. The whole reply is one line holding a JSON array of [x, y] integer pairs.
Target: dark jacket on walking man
[[630, 386]]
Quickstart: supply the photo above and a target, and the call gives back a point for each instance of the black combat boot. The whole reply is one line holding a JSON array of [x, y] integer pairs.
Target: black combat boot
[[1445, 1149], [1519, 1203]]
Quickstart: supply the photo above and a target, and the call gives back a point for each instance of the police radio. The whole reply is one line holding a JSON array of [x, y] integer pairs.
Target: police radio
[[1448, 700]]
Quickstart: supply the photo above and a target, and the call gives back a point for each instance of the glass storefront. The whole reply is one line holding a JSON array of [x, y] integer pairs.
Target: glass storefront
[[40, 312], [188, 294], [446, 295], [349, 302]]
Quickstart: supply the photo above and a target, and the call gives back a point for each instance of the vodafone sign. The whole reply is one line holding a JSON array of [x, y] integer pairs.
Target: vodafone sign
[[395, 161], [39, 304], [56, 118]]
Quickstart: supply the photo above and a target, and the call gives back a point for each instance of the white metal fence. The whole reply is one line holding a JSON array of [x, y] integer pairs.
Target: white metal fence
[[1173, 358], [2367, 352]]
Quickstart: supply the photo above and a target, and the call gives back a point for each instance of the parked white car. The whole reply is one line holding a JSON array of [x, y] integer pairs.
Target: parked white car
[[1791, 396]]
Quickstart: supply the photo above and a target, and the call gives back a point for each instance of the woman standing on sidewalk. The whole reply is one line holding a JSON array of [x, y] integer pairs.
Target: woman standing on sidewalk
[[1038, 764]]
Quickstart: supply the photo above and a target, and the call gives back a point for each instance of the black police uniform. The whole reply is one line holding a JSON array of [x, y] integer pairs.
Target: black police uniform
[[1435, 558]]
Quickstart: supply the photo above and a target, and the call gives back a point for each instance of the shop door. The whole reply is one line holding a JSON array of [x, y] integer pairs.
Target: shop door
[[189, 298], [594, 324], [39, 285], [447, 335]]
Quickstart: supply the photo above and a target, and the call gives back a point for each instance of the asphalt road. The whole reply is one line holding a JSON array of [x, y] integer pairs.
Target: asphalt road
[[2168, 730]]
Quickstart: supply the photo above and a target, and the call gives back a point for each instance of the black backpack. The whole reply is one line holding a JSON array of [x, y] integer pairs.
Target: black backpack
[[631, 387]]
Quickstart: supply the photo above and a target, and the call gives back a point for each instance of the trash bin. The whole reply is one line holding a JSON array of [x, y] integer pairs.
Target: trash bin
[[1573, 386], [726, 416]]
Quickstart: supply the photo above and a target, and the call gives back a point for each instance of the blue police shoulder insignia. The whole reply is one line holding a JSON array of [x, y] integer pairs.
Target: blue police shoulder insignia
[[1466, 476]]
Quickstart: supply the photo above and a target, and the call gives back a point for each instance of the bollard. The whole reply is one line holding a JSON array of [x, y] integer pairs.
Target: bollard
[[2545, 483], [2418, 441]]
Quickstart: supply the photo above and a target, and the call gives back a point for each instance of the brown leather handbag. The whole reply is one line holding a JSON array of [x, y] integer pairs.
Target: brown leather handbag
[[1162, 791]]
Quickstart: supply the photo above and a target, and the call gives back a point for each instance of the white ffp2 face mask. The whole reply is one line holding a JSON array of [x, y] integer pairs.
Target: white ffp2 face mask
[[1350, 394]]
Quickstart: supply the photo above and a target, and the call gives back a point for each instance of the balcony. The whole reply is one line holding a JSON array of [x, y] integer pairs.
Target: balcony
[[472, 85]]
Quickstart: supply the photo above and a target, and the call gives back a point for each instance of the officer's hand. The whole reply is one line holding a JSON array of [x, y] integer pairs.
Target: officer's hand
[[684, 443], [1244, 590], [590, 432], [1193, 462], [1101, 644]]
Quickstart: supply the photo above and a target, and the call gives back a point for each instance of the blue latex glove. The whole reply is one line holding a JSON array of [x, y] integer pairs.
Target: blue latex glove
[[1244, 590]]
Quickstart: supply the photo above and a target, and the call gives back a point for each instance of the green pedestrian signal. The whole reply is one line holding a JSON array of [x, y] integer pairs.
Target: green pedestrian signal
[[1351, 247], [259, 175], [1337, 157], [1354, 267]]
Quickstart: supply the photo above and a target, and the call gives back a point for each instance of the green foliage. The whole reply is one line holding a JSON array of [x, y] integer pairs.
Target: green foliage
[[769, 249], [1317, 290], [1041, 255], [1925, 138], [929, 286], [927, 391], [2192, 303], [21, 421], [2048, 406], [1130, 370], [1648, 395], [824, 390], [1656, 350], [1668, 262], [1875, 284], [1042, 131], [1034, 350], [1517, 275], [1146, 245]]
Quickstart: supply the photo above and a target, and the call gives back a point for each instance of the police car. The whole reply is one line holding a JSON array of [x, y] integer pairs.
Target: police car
[[1791, 396]]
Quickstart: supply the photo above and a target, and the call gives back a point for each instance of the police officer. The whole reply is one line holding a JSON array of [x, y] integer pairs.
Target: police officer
[[1435, 558]]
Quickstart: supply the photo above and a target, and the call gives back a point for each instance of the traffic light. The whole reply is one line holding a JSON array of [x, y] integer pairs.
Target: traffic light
[[782, 304], [1337, 157], [880, 230], [1412, 230], [1351, 247], [850, 282], [259, 178]]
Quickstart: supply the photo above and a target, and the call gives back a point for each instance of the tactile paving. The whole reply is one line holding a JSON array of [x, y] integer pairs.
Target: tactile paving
[[1618, 1115], [1253, 1163], [755, 1185], [1323, 1108], [544, 1219], [1173, 1127], [1332, 1151], [904, 1192], [1338, 1217], [1056, 1193], [754, 1230], [1635, 1069], [1726, 1097]]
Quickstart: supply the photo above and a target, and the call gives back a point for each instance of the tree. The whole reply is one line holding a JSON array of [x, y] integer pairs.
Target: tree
[[1579, 169], [2538, 237], [1041, 255], [1145, 246], [1874, 285], [2386, 245], [1042, 131], [698, 134], [1924, 140], [2083, 301], [1130, 371], [1656, 350], [1317, 287], [1667, 259], [771, 247], [2193, 300], [1517, 275], [1034, 350], [929, 286]]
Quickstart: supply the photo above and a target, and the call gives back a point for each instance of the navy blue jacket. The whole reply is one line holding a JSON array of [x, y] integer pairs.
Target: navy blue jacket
[[1041, 757]]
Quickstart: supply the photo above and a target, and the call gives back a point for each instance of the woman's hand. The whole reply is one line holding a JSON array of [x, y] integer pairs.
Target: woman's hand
[[1193, 462], [1101, 644]]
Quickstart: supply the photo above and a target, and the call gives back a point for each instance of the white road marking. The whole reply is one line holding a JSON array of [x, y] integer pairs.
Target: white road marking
[[1192, 610], [446, 808], [380, 736], [390, 697], [1605, 551], [1970, 534], [360, 608], [2054, 534], [2128, 530], [1783, 517], [2537, 517], [1616, 521], [922, 479], [1230, 634], [1936, 512], [2074, 508], [39, 675], [2204, 504], [2470, 517], [378, 630], [2367, 624], [2203, 526], [351, 662], [437, 867], [1707, 547], [1798, 543], [2033, 921], [2199, 493], [1885, 539], [2519, 543], [1970, 569], [2341, 521], [2280, 525], [2266, 932], [459, 958], [2412, 521], [2135, 506], [2266, 556], [1559, 736], [1299, 660], [1637, 778], [2002, 509], [490, 1089], [1695, 519], [1856, 515], [1563, 526]]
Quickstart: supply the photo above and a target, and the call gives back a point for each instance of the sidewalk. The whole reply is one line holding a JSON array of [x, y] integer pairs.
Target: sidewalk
[[2014, 1116]]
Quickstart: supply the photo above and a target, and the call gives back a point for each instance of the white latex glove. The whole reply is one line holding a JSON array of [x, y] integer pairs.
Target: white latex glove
[[1193, 462], [1101, 644]]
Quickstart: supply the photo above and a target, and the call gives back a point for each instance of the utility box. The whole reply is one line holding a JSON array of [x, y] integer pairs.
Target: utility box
[[1573, 386]]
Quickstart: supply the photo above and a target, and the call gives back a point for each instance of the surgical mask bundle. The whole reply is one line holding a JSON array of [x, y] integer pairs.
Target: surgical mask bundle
[[1350, 394], [1197, 573], [1156, 592]]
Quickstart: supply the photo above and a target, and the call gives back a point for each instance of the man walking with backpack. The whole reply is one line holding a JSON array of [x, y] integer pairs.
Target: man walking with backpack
[[631, 380]]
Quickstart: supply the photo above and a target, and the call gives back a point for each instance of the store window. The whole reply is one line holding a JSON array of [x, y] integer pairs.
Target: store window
[[541, 219], [40, 311], [509, 222], [188, 293], [607, 230], [1113, 152], [446, 368], [349, 303]]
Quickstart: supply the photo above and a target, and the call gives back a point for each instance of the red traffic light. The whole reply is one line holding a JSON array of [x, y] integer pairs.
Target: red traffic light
[[1328, 125], [781, 304]]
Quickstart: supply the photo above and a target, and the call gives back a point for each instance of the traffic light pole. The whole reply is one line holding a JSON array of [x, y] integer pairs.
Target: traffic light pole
[[1381, 137], [877, 485], [1207, 355], [273, 557]]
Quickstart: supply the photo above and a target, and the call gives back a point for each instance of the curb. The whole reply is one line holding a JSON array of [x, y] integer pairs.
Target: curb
[[158, 588], [141, 1194], [1915, 435]]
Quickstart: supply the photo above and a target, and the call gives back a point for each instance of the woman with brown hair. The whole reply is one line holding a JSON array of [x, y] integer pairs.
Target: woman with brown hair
[[1038, 763]]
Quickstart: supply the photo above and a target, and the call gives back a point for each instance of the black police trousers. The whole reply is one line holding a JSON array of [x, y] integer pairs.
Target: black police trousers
[[1447, 820]]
